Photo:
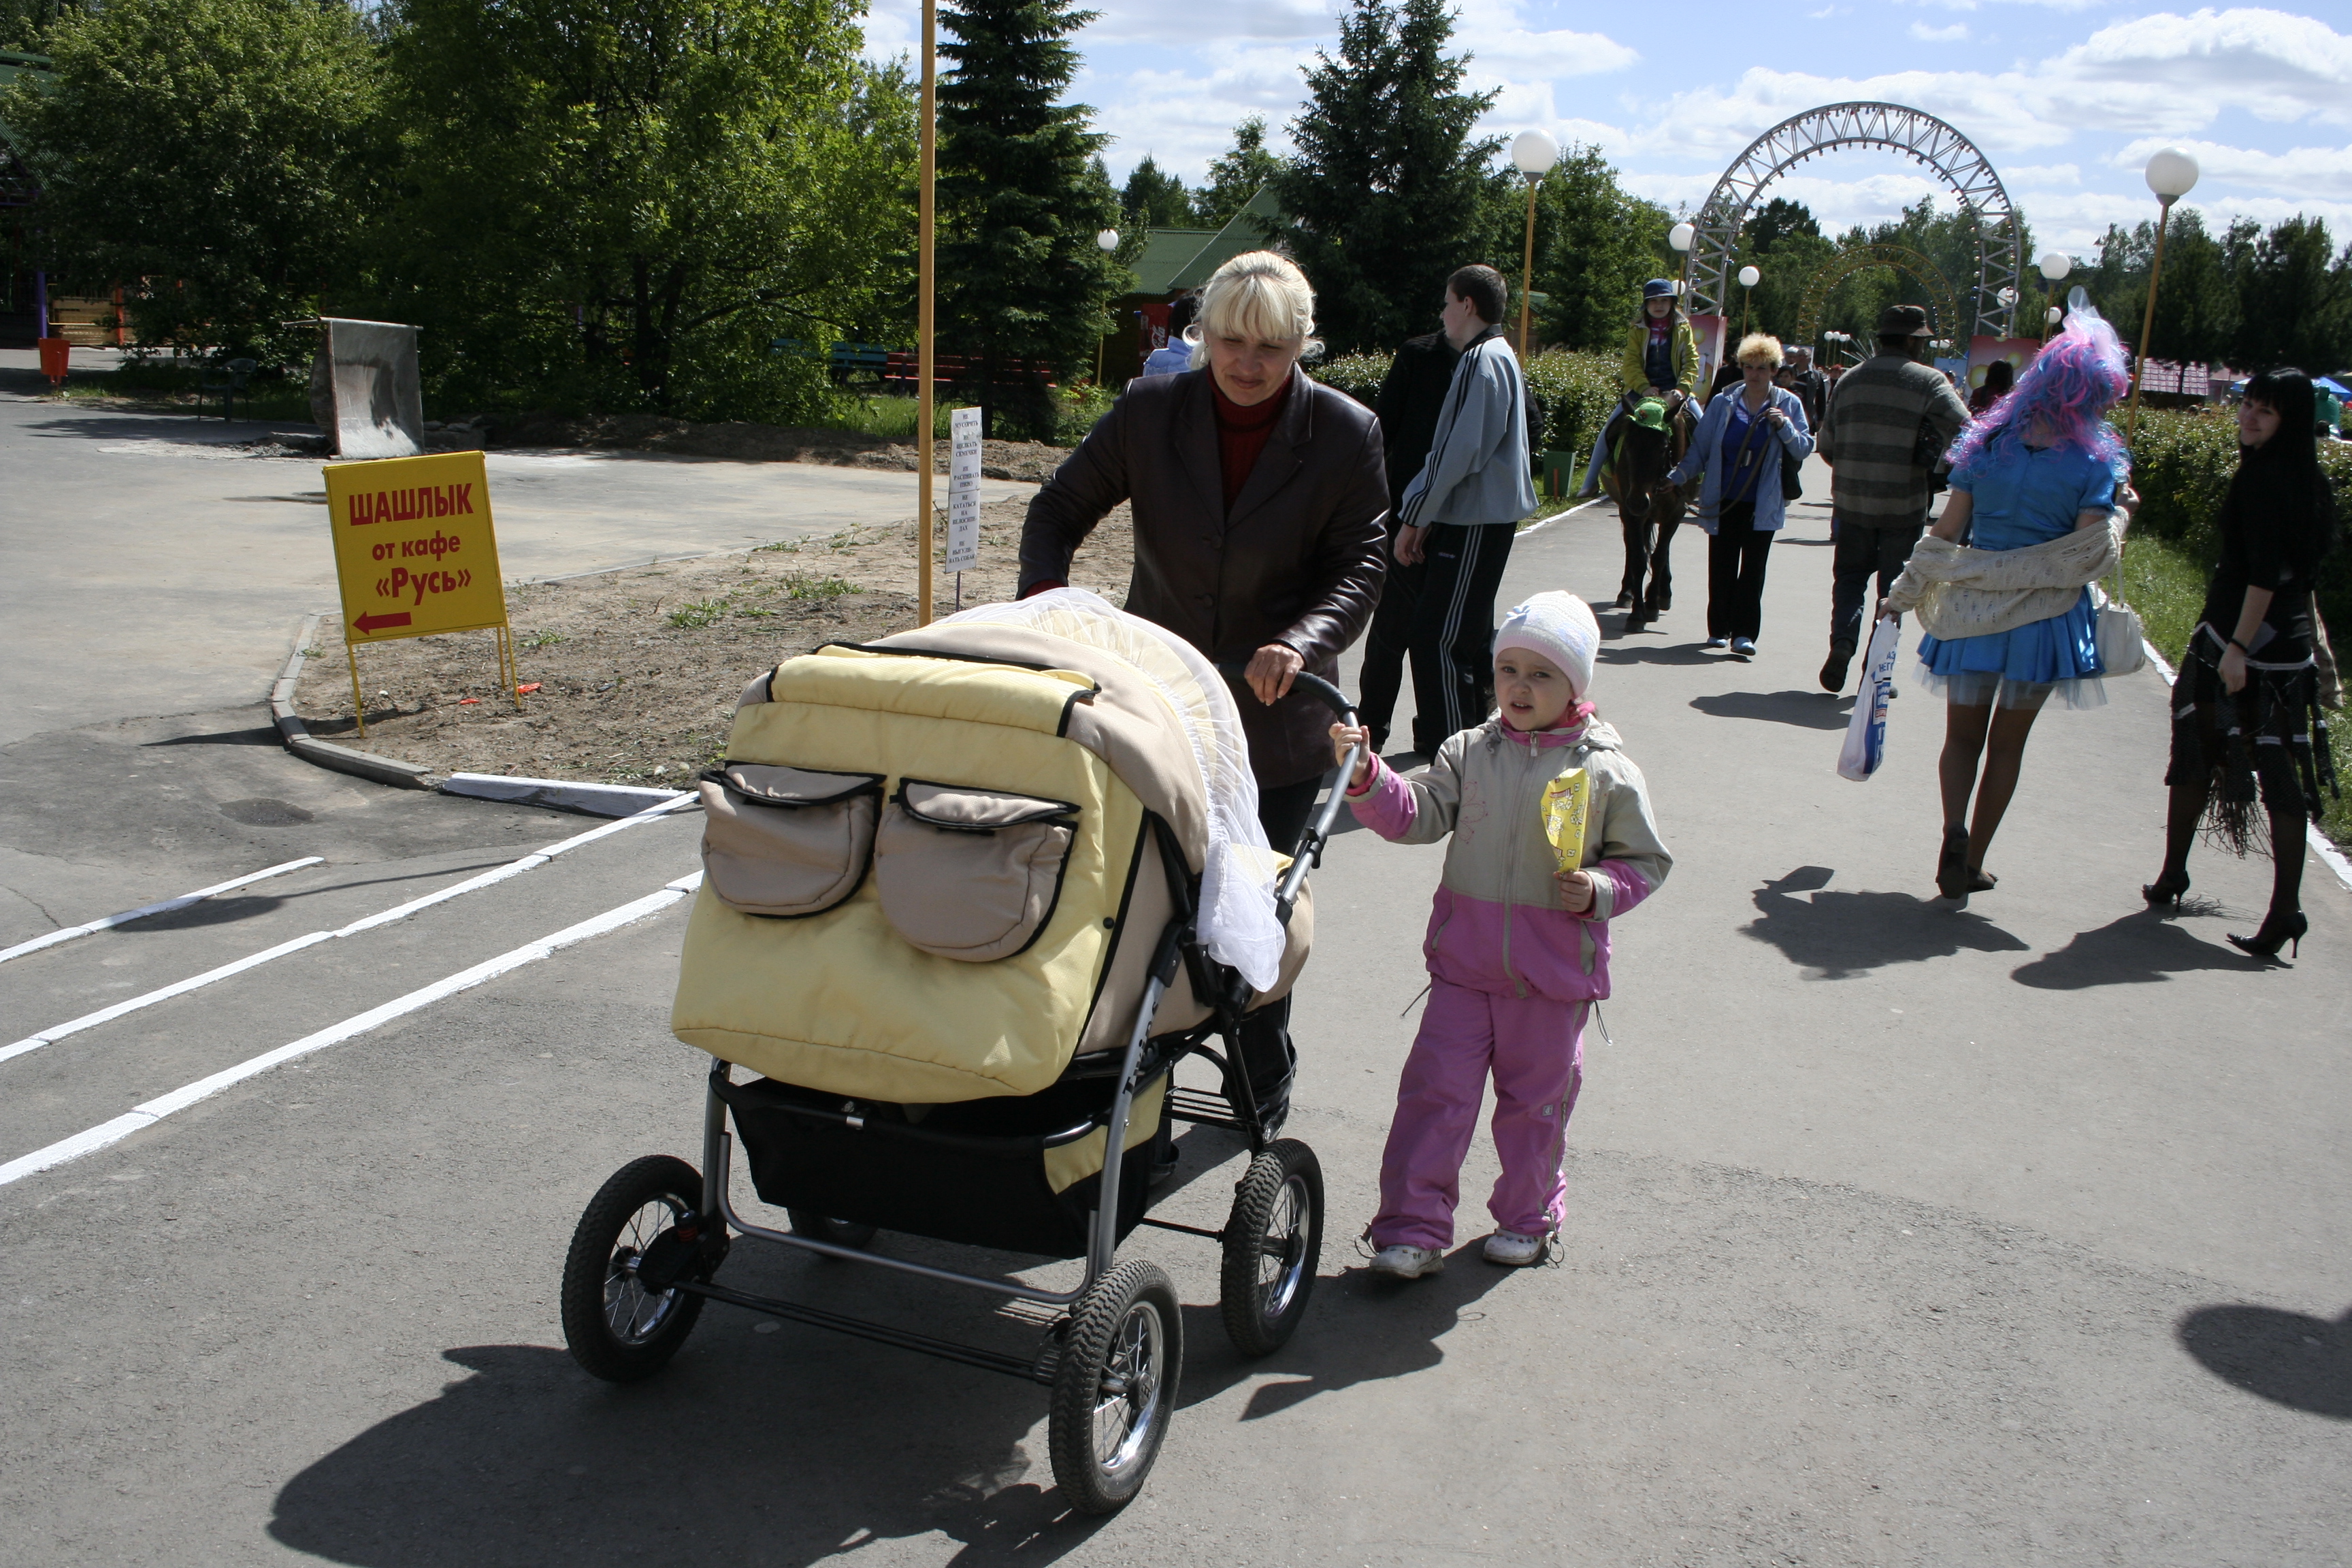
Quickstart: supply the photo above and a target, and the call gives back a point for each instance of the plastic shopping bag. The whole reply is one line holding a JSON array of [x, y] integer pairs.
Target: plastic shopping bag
[[1567, 800], [1866, 732]]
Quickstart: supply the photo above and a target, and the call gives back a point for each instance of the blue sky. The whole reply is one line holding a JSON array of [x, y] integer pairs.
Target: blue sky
[[2067, 98]]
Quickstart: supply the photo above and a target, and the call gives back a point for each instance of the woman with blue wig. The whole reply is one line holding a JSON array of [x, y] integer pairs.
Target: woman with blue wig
[[2002, 581]]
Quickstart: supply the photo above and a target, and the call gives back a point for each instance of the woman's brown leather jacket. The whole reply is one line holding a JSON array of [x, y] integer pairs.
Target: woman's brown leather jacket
[[1300, 561]]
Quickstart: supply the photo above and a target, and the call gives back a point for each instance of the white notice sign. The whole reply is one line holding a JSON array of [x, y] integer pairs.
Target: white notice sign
[[963, 489]]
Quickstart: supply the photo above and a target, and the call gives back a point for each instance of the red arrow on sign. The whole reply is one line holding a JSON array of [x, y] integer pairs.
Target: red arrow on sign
[[370, 625]]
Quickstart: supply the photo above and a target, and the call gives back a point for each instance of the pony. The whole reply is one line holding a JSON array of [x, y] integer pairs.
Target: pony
[[1639, 456]]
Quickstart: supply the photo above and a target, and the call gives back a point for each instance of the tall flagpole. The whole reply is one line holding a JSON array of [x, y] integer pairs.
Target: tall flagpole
[[925, 274]]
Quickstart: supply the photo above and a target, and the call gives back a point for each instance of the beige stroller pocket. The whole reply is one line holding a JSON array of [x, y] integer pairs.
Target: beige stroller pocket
[[787, 842], [970, 874]]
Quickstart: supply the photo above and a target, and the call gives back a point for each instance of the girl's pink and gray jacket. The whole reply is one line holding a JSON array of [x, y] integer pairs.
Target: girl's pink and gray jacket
[[1497, 925]]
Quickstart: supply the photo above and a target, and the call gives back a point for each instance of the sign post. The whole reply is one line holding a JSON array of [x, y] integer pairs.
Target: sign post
[[415, 555], [963, 495]]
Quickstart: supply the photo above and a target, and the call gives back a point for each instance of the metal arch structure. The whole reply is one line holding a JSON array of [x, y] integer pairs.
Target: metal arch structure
[[1890, 127], [1944, 303]]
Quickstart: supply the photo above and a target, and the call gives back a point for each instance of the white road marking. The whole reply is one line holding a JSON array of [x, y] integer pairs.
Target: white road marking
[[1560, 516], [181, 987], [91, 1140], [143, 911]]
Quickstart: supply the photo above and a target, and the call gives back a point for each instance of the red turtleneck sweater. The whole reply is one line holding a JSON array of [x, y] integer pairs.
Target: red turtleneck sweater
[[1241, 435]]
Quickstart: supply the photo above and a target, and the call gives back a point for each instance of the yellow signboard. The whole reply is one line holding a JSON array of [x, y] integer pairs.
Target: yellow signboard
[[414, 547], [415, 554]]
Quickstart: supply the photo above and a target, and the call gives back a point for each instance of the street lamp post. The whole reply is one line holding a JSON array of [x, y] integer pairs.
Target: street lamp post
[[925, 268], [1533, 153], [1682, 237], [2171, 174], [1108, 241], [2053, 266], [1748, 278]]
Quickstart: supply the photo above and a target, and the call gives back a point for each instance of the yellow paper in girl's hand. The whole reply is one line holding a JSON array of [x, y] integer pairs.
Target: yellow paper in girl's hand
[[1566, 802]]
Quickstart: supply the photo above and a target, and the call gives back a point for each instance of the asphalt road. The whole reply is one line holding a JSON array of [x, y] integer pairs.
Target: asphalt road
[[1899, 1234], [192, 563]]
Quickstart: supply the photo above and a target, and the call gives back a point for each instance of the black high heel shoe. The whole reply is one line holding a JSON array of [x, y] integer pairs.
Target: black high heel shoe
[[1952, 865], [2278, 930], [2164, 890]]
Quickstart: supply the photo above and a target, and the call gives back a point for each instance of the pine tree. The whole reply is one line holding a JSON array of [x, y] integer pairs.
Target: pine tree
[[1384, 197], [1240, 172], [1155, 199], [1021, 199]]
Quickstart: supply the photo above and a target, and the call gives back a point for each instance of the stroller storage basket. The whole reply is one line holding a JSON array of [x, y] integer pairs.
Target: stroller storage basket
[[1021, 1175]]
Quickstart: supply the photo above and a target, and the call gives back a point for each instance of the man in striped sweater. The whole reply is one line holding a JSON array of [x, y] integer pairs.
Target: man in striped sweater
[[1889, 420]]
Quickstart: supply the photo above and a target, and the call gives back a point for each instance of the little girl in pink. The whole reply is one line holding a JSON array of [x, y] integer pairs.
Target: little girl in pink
[[1517, 949]]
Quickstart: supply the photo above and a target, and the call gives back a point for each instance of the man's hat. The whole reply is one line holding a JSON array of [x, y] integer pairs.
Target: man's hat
[[1903, 322], [1650, 414], [1656, 287]]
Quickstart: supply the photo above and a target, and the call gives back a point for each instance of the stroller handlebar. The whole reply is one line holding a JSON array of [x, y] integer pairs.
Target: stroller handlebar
[[1315, 686]]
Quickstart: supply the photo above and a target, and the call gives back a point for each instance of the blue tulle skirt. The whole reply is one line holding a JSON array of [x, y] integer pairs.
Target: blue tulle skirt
[[2055, 657]]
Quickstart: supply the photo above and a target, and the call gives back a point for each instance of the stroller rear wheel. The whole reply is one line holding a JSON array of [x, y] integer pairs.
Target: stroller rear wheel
[[1115, 1388], [616, 1328], [840, 1232], [1273, 1244]]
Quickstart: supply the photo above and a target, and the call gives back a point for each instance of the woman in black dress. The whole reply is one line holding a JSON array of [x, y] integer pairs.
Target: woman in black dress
[[2246, 710]]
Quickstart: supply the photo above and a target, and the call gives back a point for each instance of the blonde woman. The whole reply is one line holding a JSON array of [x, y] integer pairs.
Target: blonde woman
[[1261, 506], [1740, 442]]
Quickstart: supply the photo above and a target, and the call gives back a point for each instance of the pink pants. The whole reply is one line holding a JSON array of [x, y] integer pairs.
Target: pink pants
[[1535, 1048]]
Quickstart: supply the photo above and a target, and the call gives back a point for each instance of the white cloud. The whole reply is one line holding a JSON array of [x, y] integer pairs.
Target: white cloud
[[2316, 170], [2030, 176], [1954, 34]]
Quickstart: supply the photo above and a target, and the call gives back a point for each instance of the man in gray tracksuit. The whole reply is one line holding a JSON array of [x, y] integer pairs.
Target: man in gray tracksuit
[[1459, 514]]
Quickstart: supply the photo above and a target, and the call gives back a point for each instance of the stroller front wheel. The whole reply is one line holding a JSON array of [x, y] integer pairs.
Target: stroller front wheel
[[1273, 1245], [616, 1327], [1115, 1388]]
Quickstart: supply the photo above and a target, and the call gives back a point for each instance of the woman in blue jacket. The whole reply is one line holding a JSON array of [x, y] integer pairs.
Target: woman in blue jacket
[[1740, 442]]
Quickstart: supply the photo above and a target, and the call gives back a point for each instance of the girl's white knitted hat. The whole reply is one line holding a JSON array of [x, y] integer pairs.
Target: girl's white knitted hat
[[1560, 627]]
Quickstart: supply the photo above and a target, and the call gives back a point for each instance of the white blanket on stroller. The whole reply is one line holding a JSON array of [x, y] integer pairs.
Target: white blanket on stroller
[[1237, 919]]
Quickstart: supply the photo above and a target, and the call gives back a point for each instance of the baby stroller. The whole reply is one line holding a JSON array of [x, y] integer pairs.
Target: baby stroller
[[971, 893]]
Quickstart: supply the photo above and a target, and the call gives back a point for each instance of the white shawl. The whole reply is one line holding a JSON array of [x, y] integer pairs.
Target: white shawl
[[1961, 592]]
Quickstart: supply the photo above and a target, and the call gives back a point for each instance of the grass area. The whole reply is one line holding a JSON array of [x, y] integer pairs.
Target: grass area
[[2167, 587], [169, 391], [702, 613], [891, 417]]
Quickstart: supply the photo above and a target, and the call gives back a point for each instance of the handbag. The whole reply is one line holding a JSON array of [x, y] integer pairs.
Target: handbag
[[1791, 487], [2123, 645], [1865, 732]]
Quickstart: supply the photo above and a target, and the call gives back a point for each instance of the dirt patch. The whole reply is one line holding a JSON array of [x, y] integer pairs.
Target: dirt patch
[[744, 442], [638, 669]]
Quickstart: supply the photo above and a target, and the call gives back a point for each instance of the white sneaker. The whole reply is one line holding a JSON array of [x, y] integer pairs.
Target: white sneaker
[[1402, 1262], [1512, 1250]]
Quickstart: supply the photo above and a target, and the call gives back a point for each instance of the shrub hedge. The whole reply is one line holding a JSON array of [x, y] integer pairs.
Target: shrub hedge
[[2181, 464], [1577, 390]]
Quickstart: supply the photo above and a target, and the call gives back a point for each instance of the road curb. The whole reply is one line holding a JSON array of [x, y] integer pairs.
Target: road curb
[[562, 794], [323, 753]]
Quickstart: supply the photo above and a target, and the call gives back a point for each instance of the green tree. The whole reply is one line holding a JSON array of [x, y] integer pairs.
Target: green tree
[[1780, 219], [26, 24], [1236, 174], [619, 204], [216, 157], [1595, 247], [1153, 198], [2294, 298], [1021, 200], [1388, 190]]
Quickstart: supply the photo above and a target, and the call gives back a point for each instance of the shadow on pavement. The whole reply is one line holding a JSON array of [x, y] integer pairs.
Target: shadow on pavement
[[2289, 1358], [264, 735], [2134, 951], [1669, 653], [1359, 1328], [783, 1448], [1840, 935], [1806, 709]]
